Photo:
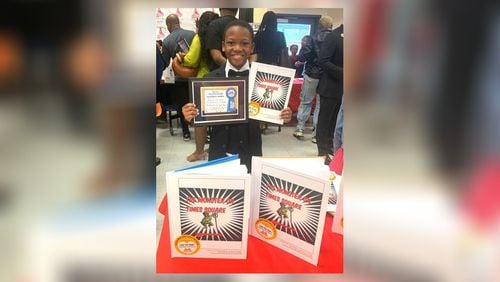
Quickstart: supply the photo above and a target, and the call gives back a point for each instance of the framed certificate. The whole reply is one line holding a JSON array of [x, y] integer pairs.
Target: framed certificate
[[219, 100]]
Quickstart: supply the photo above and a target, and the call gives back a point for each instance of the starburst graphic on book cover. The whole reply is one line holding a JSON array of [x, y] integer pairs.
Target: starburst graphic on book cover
[[292, 208], [270, 90], [212, 214]]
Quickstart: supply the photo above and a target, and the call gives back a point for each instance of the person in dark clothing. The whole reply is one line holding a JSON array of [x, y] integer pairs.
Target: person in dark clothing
[[294, 60], [179, 91], [215, 36], [244, 139], [307, 53], [160, 66], [170, 46], [312, 73], [330, 88], [270, 44]]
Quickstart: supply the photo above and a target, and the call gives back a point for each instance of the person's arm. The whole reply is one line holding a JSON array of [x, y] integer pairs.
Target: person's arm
[[165, 55], [284, 57], [214, 44], [217, 57], [193, 56], [330, 46]]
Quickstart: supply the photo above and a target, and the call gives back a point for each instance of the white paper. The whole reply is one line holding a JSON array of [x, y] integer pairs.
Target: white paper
[[288, 208], [269, 91], [168, 76]]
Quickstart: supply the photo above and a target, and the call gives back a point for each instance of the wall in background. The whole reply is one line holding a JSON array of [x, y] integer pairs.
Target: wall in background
[[335, 13]]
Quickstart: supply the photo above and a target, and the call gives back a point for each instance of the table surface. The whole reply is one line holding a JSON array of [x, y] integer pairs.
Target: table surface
[[261, 257]]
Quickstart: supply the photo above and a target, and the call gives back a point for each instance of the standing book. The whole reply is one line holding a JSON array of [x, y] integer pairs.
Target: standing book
[[290, 198], [338, 219], [209, 210], [269, 91]]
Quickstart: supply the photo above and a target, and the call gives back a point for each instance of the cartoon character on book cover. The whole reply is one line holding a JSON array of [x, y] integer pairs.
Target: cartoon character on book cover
[[270, 90], [291, 208], [212, 214]]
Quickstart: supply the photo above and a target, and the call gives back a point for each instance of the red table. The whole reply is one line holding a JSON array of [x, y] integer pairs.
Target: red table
[[294, 100], [262, 257]]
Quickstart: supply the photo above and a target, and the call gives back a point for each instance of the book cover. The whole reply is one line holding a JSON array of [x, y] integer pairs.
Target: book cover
[[289, 207], [208, 213], [338, 219], [269, 91]]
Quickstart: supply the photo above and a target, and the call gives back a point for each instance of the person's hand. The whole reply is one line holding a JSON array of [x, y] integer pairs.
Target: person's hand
[[189, 111], [286, 115], [298, 64], [180, 56]]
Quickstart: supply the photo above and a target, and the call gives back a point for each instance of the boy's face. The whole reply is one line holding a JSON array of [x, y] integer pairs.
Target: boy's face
[[237, 45]]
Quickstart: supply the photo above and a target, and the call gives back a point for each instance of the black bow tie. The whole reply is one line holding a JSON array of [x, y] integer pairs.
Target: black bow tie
[[237, 73]]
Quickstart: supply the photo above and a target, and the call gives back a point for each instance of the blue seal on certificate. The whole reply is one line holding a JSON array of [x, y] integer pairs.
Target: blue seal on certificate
[[230, 94]]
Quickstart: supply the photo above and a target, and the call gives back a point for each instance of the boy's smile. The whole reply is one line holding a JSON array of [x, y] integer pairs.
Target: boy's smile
[[237, 46]]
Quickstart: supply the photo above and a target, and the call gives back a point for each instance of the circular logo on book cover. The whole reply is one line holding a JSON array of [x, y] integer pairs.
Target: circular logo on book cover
[[266, 229], [253, 108], [187, 244]]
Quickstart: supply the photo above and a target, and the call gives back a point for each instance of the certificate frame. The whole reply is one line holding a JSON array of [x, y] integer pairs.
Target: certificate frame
[[219, 100]]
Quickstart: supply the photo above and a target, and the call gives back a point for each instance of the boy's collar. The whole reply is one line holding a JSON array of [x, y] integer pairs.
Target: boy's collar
[[245, 67]]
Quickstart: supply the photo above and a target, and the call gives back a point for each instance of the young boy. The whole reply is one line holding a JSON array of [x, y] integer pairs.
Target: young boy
[[244, 139]]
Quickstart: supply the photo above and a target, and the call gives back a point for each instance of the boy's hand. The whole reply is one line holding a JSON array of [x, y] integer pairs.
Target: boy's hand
[[286, 115], [189, 111]]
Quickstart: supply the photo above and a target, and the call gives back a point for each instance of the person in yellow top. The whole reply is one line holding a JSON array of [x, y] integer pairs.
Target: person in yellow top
[[197, 57]]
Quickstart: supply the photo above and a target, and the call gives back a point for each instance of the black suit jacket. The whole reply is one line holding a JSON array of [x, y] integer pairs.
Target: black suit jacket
[[331, 60], [244, 139]]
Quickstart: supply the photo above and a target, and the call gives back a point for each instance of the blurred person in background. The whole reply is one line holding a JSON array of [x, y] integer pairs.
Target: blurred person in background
[[179, 91], [198, 57], [294, 60], [312, 74], [160, 67], [215, 36], [270, 44], [330, 88], [338, 140]]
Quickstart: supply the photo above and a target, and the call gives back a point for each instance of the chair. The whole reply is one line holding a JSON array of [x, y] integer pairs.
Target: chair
[[168, 110], [266, 127], [168, 105]]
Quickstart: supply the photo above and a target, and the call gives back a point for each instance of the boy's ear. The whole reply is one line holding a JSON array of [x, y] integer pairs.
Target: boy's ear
[[253, 46], [223, 49]]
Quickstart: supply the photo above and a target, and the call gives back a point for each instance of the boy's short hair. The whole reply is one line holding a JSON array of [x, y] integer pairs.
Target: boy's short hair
[[241, 23], [294, 45]]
